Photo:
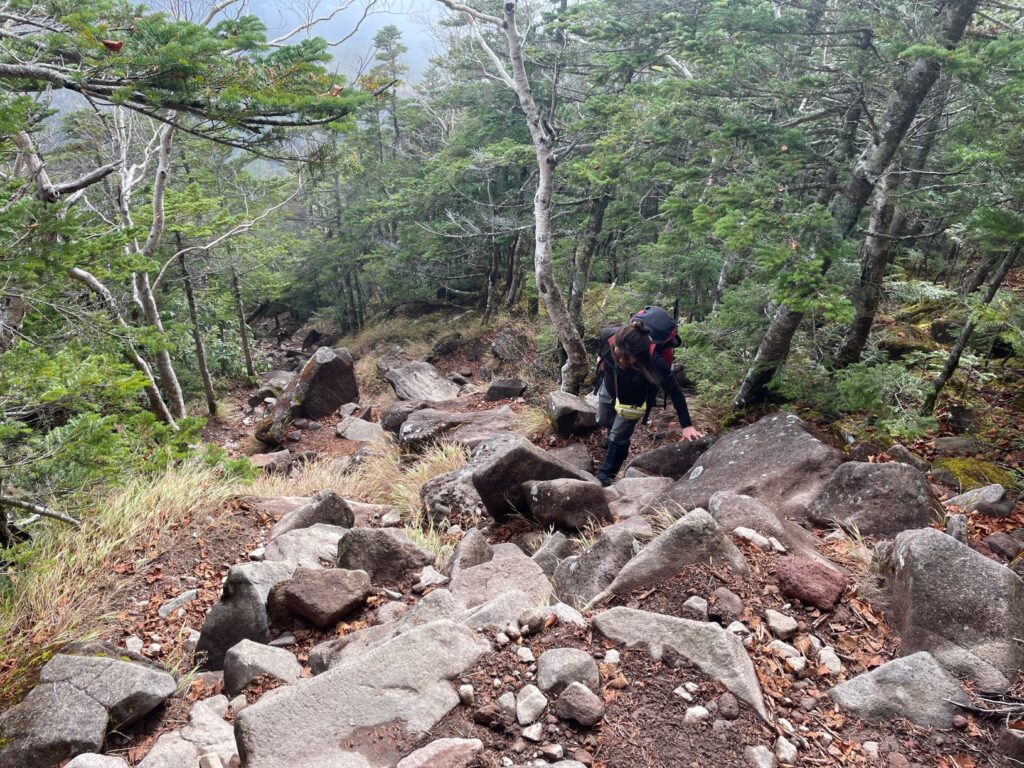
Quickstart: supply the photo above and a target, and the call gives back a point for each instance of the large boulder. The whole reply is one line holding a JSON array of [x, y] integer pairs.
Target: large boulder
[[693, 538], [420, 381], [81, 692], [965, 609], [566, 503], [453, 495], [499, 478], [387, 555], [673, 460], [318, 723], [575, 455], [241, 612], [580, 578], [481, 583], [571, 414], [715, 651], [325, 596], [324, 507], [472, 549], [914, 687], [876, 499], [777, 460], [504, 389], [631, 495], [511, 346], [248, 660], [469, 428], [326, 382], [54, 722]]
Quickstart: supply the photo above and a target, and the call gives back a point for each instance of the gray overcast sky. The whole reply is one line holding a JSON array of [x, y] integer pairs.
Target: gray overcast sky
[[412, 17]]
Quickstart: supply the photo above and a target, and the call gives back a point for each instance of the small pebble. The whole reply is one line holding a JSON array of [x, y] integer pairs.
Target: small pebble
[[534, 732], [466, 695], [696, 714]]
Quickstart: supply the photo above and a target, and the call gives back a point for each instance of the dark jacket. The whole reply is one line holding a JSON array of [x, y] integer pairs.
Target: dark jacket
[[631, 387]]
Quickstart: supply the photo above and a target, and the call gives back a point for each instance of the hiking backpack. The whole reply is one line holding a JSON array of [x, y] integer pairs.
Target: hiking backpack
[[664, 332]]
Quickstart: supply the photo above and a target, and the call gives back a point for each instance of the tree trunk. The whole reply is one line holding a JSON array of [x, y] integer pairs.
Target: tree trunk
[[156, 401], [847, 205], [953, 361], [243, 330], [723, 278], [12, 313], [577, 364], [583, 259], [197, 336]]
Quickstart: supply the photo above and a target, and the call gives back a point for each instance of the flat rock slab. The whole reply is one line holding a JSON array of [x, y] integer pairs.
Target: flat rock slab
[[580, 578], [469, 428], [914, 687], [965, 609], [445, 753], [406, 680], [54, 722], [876, 499], [420, 381], [309, 547], [97, 761], [776, 460], [358, 430], [991, 500], [482, 583], [571, 414], [716, 652]]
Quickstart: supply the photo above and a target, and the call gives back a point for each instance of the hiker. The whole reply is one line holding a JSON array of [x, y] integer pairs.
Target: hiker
[[633, 362]]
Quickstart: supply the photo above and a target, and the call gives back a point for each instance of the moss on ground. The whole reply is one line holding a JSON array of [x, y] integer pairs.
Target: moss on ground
[[974, 473]]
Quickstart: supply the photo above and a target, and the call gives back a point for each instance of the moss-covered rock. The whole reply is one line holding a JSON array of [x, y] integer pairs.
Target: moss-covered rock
[[973, 473]]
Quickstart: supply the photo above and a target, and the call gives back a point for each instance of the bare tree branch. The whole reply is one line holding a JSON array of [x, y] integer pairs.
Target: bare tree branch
[[28, 506]]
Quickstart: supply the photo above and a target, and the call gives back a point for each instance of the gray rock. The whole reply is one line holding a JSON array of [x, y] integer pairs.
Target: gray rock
[[128, 690], [510, 346], [499, 474], [759, 756], [430, 577], [566, 614], [785, 751], [571, 415], [275, 463], [578, 702], [206, 733], [714, 651], [326, 382], [420, 381], [903, 454], [308, 547], [530, 704], [467, 428], [780, 625], [445, 753], [965, 609], [505, 389], [54, 722], [472, 549], [385, 554], [180, 601], [325, 507], [359, 430], [956, 526], [1011, 744], [581, 578], [453, 496], [499, 612], [566, 503], [696, 608], [248, 660], [990, 500], [575, 455], [1004, 545], [733, 511], [630, 496], [914, 687], [554, 550], [725, 606], [394, 416], [558, 667], [673, 460], [97, 761], [776, 460], [241, 613], [482, 583], [325, 596], [876, 499], [405, 680], [694, 538]]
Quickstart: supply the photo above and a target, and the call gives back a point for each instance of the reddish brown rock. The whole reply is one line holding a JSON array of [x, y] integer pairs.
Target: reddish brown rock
[[809, 582], [325, 596]]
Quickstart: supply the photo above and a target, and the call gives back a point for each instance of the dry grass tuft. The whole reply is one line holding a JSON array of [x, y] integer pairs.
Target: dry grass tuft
[[533, 420], [66, 587]]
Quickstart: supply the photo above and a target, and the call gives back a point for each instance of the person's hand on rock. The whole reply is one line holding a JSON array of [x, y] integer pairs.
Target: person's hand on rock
[[690, 433]]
